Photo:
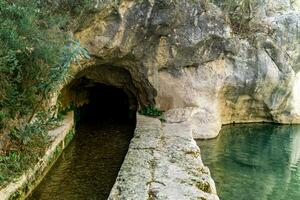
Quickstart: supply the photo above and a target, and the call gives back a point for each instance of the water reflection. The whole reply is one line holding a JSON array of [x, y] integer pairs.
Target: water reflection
[[255, 161], [89, 166]]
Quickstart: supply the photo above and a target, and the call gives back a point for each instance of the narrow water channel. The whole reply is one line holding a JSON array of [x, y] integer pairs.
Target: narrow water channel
[[255, 161], [88, 167]]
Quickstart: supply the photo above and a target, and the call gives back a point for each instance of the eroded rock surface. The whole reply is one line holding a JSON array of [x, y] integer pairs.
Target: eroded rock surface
[[186, 57], [187, 54]]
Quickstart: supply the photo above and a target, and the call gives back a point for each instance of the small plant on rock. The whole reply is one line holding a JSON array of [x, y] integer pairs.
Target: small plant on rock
[[151, 111]]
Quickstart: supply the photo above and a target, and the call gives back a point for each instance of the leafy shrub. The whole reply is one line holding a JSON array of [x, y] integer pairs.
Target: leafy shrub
[[36, 51], [28, 51], [70, 11], [27, 146], [2, 119], [151, 111], [35, 54]]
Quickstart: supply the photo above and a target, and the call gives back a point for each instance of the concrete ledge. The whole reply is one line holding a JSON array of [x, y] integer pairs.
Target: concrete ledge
[[163, 162], [60, 138]]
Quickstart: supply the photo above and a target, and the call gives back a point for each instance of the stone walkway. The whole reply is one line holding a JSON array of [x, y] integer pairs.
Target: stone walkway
[[163, 162]]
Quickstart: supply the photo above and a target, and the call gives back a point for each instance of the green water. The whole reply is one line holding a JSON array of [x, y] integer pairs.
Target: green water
[[255, 161], [88, 167]]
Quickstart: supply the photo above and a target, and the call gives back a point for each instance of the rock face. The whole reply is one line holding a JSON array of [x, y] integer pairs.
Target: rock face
[[186, 57], [191, 59]]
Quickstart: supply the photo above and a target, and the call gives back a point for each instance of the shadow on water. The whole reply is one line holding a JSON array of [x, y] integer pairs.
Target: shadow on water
[[87, 169]]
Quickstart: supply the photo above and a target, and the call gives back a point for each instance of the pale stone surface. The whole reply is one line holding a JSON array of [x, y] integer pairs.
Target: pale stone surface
[[296, 4], [163, 162], [183, 54], [186, 58]]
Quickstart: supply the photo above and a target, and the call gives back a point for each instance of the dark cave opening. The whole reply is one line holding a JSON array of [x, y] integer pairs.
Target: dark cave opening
[[107, 102]]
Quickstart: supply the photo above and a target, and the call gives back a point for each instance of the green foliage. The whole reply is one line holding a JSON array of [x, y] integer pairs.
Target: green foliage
[[28, 145], [27, 53], [72, 7], [70, 11], [151, 111], [162, 119], [26, 134], [2, 120], [69, 137], [35, 55], [240, 13], [36, 51], [57, 151], [11, 161], [73, 52]]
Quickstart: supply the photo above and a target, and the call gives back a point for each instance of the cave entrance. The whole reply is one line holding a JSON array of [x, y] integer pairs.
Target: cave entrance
[[90, 164], [107, 102]]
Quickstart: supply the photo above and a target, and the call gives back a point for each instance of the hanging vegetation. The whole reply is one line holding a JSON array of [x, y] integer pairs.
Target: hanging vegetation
[[35, 54]]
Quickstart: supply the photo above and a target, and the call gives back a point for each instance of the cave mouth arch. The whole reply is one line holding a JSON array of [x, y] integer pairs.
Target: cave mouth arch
[[105, 102], [109, 78], [105, 98], [94, 157], [94, 100]]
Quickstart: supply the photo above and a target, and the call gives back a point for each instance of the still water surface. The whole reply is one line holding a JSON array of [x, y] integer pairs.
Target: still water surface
[[89, 166], [255, 162]]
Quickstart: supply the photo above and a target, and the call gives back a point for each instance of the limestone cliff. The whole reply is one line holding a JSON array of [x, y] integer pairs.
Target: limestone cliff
[[188, 58]]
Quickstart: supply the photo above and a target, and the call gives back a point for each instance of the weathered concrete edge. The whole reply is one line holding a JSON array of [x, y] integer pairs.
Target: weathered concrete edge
[[163, 162], [23, 186]]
